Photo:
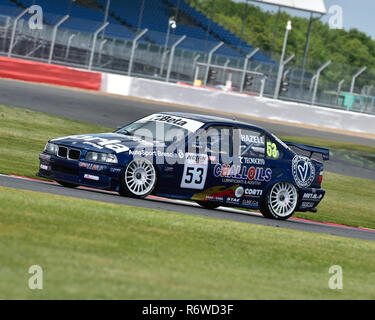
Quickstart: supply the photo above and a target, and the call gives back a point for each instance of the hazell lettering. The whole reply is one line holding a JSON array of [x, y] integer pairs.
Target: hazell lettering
[[251, 139], [245, 173]]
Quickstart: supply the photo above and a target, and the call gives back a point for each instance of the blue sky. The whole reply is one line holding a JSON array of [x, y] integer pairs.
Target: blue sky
[[358, 14]]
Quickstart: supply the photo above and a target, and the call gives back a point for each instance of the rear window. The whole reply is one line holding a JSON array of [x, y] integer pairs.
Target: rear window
[[315, 156]]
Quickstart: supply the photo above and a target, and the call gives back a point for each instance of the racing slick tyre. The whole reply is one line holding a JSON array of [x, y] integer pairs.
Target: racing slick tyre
[[208, 205], [138, 179], [67, 184], [280, 201]]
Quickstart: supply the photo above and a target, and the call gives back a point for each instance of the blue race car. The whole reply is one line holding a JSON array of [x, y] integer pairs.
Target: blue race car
[[210, 160]]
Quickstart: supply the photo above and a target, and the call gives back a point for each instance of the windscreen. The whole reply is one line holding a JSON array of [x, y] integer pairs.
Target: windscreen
[[162, 127]]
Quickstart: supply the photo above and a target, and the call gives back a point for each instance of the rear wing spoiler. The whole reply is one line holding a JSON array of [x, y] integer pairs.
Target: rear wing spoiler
[[324, 152]]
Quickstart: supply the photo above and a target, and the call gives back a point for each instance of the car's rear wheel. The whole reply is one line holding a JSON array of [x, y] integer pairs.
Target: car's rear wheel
[[67, 184], [280, 201], [138, 179], [208, 205]]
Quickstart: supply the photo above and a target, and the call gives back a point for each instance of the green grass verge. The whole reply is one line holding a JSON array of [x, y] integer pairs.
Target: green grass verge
[[23, 133], [94, 250], [349, 201]]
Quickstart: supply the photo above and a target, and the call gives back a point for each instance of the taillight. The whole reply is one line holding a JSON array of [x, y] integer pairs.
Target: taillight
[[320, 179]]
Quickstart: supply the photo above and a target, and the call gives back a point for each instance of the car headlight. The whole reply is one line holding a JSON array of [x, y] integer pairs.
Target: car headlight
[[101, 157], [51, 148]]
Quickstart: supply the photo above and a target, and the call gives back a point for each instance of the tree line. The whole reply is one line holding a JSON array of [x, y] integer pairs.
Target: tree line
[[348, 50]]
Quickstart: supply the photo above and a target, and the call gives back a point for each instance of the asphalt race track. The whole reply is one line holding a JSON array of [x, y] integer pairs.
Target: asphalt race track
[[185, 207], [113, 111]]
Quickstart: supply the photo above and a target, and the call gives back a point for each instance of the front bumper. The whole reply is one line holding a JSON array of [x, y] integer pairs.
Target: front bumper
[[80, 172]]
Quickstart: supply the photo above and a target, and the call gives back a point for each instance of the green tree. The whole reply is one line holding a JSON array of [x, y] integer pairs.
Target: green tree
[[348, 50]]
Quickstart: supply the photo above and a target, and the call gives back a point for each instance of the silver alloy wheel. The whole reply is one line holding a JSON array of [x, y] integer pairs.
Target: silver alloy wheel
[[140, 177], [283, 199]]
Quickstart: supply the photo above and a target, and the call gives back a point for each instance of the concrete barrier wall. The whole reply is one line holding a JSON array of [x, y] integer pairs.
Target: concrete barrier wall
[[116, 84], [187, 95], [242, 104]]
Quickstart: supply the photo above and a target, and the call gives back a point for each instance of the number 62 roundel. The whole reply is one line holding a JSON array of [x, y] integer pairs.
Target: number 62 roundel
[[195, 171]]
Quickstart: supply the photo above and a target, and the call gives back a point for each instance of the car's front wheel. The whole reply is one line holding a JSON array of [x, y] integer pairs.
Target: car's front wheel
[[280, 202], [138, 179]]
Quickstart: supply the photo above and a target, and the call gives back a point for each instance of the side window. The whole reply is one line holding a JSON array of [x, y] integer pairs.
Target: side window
[[219, 140], [252, 143], [272, 151]]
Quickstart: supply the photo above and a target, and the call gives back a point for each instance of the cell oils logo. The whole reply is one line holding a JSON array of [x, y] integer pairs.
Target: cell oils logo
[[245, 173], [303, 171]]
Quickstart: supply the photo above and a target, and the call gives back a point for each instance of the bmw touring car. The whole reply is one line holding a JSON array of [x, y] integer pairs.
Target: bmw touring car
[[210, 160]]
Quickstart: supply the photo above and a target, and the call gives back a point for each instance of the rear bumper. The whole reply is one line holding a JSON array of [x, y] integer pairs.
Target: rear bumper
[[101, 176], [309, 198]]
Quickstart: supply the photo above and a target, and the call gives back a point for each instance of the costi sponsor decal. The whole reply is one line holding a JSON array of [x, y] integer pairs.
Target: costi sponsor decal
[[253, 192], [98, 142], [303, 171], [188, 124], [243, 173]]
